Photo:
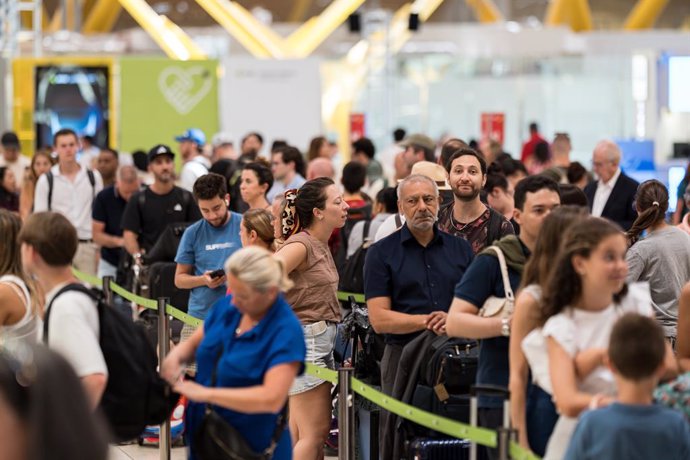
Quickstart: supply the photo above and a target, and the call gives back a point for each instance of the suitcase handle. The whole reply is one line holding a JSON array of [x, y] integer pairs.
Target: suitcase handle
[[490, 390]]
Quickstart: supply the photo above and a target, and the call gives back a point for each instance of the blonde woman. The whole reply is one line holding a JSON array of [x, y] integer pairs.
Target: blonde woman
[[253, 367], [257, 229]]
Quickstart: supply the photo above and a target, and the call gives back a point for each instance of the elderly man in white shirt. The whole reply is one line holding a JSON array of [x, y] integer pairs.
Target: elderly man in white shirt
[[72, 193], [612, 196]]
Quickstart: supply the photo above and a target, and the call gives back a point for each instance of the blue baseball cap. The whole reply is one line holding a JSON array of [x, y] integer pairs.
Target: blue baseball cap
[[193, 134]]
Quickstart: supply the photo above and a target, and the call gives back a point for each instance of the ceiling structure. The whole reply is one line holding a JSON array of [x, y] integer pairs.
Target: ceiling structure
[[606, 14]]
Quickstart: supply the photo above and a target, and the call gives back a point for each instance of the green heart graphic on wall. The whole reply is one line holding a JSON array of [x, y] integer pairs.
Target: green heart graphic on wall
[[160, 98], [184, 88]]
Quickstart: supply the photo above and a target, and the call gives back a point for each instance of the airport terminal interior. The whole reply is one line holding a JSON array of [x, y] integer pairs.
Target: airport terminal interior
[[259, 79]]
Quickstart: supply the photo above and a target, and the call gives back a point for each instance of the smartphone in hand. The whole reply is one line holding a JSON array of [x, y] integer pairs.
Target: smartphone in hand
[[217, 273]]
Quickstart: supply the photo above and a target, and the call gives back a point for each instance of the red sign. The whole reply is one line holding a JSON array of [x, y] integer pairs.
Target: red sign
[[493, 126], [357, 128]]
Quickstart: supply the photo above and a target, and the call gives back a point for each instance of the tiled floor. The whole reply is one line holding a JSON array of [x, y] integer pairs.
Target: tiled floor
[[136, 452]]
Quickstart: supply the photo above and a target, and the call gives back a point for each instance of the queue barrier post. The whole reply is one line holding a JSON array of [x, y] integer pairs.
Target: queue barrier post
[[164, 440], [504, 436], [107, 291], [346, 415]]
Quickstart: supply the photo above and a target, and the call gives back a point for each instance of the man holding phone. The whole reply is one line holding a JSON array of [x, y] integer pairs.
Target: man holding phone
[[205, 246]]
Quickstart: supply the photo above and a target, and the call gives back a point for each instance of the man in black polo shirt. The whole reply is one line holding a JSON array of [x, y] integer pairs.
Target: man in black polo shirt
[[535, 198], [409, 276], [108, 208], [150, 211]]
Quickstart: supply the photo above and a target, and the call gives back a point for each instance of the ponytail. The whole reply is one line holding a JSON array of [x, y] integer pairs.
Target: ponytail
[[652, 202]]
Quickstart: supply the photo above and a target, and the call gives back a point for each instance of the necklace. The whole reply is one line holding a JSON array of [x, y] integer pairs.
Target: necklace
[[240, 331]]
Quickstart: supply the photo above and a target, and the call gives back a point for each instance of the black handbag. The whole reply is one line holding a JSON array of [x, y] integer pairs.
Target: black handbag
[[216, 439]]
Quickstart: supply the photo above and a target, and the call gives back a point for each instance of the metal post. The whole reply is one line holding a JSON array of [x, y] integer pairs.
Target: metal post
[[346, 415], [503, 436], [163, 341], [107, 292]]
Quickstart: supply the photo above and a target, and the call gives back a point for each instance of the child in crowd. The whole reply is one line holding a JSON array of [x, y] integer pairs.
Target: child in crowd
[[633, 428]]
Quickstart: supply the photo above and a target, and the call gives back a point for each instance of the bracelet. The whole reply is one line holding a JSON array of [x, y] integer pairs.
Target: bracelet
[[594, 402]]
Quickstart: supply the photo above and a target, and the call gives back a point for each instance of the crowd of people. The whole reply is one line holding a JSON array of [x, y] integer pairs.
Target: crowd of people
[[576, 286]]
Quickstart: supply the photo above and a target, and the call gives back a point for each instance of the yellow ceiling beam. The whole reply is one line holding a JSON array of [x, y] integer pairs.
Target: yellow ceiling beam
[[172, 40], [271, 40], [101, 17], [55, 21], [326, 23], [485, 10], [298, 35], [574, 13], [299, 10], [220, 12], [557, 12], [580, 15], [644, 14]]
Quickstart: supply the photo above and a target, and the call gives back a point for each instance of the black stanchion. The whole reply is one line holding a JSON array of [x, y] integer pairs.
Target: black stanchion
[[164, 440], [107, 291], [346, 415]]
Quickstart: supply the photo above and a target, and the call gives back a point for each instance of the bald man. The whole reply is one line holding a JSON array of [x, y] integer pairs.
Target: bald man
[[613, 194], [320, 167]]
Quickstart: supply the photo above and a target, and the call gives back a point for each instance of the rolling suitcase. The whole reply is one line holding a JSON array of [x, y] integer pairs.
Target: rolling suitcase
[[460, 449], [439, 449]]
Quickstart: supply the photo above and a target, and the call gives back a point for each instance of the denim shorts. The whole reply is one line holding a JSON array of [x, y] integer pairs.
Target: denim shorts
[[320, 341]]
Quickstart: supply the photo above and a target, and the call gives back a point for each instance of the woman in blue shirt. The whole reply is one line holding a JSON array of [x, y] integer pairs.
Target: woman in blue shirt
[[261, 347]]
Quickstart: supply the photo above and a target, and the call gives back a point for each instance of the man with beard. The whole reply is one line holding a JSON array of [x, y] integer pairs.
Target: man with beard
[[466, 216], [205, 246], [150, 211], [409, 276]]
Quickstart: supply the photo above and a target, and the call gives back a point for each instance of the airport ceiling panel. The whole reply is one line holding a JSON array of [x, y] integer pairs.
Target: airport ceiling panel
[[606, 14]]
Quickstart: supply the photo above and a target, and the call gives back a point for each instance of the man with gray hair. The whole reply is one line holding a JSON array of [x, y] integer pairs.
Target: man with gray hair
[[613, 195], [409, 276], [108, 208]]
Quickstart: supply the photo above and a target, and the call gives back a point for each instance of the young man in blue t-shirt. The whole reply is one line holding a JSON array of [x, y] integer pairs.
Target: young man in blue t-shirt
[[632, 427], [206, 245]]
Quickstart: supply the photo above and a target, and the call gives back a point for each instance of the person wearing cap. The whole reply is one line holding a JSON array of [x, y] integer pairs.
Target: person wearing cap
[[409, 278], [195, 164], [222, 147], [466, 216], [12, 158], [434, 172], [151, 210], [418, 147], [70, 189]]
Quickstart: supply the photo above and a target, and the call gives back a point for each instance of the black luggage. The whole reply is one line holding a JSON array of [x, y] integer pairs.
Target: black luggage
[[439, 449], [162, 284]]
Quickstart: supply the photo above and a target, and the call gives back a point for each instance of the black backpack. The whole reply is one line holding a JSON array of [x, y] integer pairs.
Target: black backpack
[[135, 395], [352, 271]]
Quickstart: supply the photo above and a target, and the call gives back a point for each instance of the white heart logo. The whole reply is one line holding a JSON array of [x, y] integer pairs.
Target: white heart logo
[[184, 88]]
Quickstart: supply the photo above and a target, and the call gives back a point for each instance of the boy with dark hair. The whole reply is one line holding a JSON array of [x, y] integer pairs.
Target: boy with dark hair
[[49, 243], [632, 427], [363, 152]]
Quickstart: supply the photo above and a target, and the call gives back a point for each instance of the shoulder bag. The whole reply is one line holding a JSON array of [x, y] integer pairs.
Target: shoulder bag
[[500, 306], [216, 439]]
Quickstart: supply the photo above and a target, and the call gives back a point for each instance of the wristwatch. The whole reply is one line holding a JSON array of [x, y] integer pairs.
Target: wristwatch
[[505, 327]]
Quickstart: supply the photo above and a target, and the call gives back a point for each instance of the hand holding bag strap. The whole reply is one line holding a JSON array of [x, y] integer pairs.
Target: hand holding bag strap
[[281, 421], [504, 274]]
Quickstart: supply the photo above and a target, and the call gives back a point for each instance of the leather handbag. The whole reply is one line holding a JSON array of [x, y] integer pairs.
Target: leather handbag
[[216, 439], [500, 306]]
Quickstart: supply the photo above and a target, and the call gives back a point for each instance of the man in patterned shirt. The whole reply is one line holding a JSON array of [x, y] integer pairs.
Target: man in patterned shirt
[[466, 216]]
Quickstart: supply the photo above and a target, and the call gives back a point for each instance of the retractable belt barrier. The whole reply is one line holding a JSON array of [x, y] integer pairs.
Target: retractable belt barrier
[[483, 436]]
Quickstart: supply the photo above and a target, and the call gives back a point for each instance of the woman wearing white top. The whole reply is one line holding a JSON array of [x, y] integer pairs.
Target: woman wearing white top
[[19, 312], [584, 297], [531, 410]]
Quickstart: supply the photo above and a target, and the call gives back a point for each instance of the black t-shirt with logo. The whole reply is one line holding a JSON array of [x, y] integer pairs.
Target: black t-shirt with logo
[[149, 215]]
